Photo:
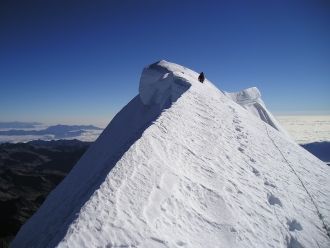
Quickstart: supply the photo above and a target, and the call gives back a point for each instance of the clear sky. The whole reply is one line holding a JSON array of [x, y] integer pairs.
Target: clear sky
[[80, 61]]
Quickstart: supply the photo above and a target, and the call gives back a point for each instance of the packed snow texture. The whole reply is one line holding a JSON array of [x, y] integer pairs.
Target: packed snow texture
[[201, 171]]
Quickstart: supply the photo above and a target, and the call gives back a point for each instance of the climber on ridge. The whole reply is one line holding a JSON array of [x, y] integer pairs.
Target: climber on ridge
[[201, 77]]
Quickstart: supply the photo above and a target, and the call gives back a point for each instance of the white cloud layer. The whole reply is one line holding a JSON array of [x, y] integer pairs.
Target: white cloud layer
[[88, 135], [307, 129]]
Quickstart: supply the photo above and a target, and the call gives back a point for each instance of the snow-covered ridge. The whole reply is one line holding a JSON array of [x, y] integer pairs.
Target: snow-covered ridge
[[162, 83], [200, 171]]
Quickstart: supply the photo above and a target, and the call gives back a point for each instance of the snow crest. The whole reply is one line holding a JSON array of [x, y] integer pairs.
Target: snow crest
[[164, 82], [250, 99], [249, 95]]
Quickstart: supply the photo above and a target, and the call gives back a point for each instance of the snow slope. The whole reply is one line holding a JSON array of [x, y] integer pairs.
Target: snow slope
[[182, 165]]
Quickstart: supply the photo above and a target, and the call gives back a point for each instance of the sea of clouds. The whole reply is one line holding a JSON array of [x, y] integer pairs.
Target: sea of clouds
[[307, 129]]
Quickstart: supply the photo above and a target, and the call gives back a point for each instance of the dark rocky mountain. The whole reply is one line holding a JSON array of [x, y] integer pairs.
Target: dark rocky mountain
[[28, 172]]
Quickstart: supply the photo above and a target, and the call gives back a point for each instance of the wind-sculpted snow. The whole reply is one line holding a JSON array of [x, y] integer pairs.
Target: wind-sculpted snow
[[202, 172], [163, 82], [250, 99]]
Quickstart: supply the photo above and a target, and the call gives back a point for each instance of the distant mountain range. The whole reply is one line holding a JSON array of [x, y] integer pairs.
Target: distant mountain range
[[27, 132], [59, 131], [18, 124]]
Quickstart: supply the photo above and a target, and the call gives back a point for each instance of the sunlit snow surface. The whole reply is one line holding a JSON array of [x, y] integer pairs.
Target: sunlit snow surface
[[202, 172], [307, 129], [250, 99]]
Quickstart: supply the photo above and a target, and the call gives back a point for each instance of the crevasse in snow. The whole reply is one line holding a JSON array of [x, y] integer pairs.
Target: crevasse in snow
[[183, 165]]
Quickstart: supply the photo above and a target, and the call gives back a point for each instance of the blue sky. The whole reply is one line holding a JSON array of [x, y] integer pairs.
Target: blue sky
[[80, 61]]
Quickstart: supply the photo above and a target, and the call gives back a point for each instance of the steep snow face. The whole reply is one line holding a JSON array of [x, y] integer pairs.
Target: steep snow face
[[202, 172], [250, 99], [163, 82]]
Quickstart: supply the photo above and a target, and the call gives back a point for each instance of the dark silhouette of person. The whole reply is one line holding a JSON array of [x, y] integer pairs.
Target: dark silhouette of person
[[201, 77]]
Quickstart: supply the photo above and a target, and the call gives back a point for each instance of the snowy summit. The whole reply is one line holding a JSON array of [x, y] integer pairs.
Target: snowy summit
[[184, 164]]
